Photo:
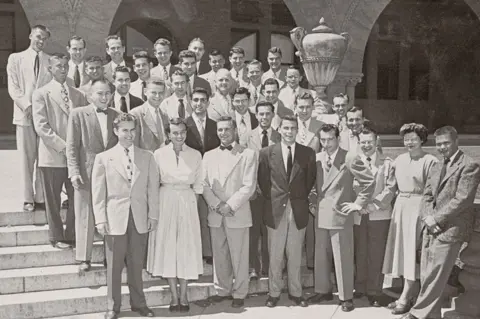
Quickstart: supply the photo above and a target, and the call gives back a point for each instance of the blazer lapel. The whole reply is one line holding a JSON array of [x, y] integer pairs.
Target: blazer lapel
[[256, 138], [55, 97], [196, 132], [97, 131], [296, 164], [110, 117], [336, 168], [229, 166], [116, 160], [137, 158], [147, 117], [277, 160], [275, 137], [455, 166]]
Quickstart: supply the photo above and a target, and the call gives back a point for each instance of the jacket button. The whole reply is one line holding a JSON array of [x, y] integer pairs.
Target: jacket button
[[284, 204]]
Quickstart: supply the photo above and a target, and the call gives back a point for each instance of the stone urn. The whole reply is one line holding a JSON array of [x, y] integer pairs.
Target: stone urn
[[321, 53]]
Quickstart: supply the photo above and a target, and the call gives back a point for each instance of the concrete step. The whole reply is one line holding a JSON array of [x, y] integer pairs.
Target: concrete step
[[19, 217], [42, 256], [77, 301], [15, 281]]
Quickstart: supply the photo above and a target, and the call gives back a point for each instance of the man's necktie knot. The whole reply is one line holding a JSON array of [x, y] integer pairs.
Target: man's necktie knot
[[229, 147], [446, 161]]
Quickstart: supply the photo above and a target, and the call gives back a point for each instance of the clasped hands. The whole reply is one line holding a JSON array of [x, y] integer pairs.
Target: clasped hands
[[432, 226], [223, 209]]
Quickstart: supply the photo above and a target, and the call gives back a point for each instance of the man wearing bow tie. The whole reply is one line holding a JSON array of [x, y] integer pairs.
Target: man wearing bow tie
[[51, 106], [89, 132], [230, 181]]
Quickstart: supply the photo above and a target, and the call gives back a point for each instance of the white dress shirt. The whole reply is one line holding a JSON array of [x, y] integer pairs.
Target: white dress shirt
[[332, 159], [102, 120], [200, 125], [170, 105], [136, 88], [118, 104], [159, 72], [71, 70], [287, 95], [285, 153], [225, 156], [269, 134]]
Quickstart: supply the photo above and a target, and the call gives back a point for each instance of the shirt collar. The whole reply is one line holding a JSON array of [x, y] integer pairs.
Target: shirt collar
[[307, 122], [117, 97], [33, 53], [130, 149], [152, 108], [114, 65], [269, 131], [452, 158], [197, 119], [72, 64], [373, 158], [285, 146], [332, 157]]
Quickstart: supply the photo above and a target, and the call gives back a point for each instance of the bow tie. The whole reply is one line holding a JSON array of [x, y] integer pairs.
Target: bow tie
[[229, 147], [101, 111]]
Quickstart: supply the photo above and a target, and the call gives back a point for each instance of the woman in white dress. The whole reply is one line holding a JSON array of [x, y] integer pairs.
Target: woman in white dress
[[175, 248], [404, 236]]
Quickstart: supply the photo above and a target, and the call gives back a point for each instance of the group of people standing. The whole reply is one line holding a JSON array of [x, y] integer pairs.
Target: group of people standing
[[232, 167]]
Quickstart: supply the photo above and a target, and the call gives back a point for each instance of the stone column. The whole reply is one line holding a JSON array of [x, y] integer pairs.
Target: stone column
[[467, 305], [344, 82]]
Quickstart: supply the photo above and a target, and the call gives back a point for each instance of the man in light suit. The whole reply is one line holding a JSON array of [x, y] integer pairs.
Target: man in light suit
[[122, 100], [371, 224], [163, 52], [115, 48], [245, 120], [238, 70], [125, 184], [292, 89], [230, 180], [151, 121], [276, 71], [77, 48], [221, 101], [254, 73], [187, 62], [448, 216], [217, 62], [270, 90], [260, 137], [178, 104], [51, 105], [286, 175], [89, 132], [336, 202], [27, 71]]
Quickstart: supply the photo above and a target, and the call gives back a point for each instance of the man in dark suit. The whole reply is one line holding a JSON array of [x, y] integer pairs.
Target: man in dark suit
[[245, 120], [198, 47], [89, 132], [187, 60], [116, 49], [122, 100], [448, 218], [286, 175]]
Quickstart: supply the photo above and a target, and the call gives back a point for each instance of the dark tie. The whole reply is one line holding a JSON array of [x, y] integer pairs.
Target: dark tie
[[36, 66], [129, 166], [264, 138], [289, 162], [104, 111], [444, 170], [144, 85], [229, 147], [76, 77], [181, 109], [123, 105], [369, 160]]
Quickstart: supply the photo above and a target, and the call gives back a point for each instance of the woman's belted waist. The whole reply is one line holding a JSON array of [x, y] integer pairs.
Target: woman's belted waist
[[407, 194], [176, 186]]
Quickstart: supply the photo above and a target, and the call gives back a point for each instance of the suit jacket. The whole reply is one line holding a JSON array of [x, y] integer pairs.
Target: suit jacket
[[220, 107], [235, 186], [84, 140], [170, 106], [50, 117], [380, 206], [281, 78], [193, 136], [198, 82], [311, 138], [450, 201], [288, 98], [86, 88], [277, 190], [113, 195], [203, 67], [134, 101], [336, 187], [158, 72], [210, 77], [21, 82], [147, 135], [108, 71], [280, 111], [253, 141]]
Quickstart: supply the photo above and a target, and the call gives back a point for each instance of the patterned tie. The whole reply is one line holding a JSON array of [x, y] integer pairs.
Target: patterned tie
[[181, 109], [289, 162], [36, 66], [129, 166], [165, 73], [329, 163], [369, 160], [255, 96], [65, 98], [264, 138], [158, 122], [76, 77], [144, 85], [201, 130], [123, 104], [303, 137]]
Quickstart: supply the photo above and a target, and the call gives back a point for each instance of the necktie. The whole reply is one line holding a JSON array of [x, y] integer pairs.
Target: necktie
[[201, 130], [181, 109], [36, 66], [369, 160], [303, 137], [255, 96], [289, 162], [129, 166], [444, 170], [144, 85], [104, 111], [76, 77], [158, 122], [165, 73], [65, 98], [329, 163], [237, 75], [229, 147], [123, 105], [264, 138]]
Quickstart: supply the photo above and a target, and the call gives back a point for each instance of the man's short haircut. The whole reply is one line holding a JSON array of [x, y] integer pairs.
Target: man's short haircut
[[227, 118], [254, 62], [265, 103], [94, 58], [275, 50], [200, 90], [416, 128], [304, 96], [215, 52], [123, 117], [186, 54], [270, 81], [369, 130], [113, 37], [163, 42], [103, 81], [120, 69], [290, 118], [447, 130], [77, 38], [141, 55], [354, 109], [343, 96], [296, 68], [41, 27], [237, 50], [241, 90], [175, 121], [156, 81], [181, 73], [327, 128], [58, 56], [196, 40]]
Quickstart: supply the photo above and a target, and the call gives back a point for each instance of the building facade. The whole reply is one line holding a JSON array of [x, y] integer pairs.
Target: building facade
[[409, 60]]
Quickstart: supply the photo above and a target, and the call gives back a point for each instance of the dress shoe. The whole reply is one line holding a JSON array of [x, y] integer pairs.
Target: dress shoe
[[347, 305], [28, 207], [272, 302], [318, 298], [60, 245], [379, 300], [238, 303], [401, 308], [39, 206], [358, 295], [253, 275], [217, 298], [84, 266], [453, 279], [299, 301], [184, 307], [409, 316], [374, 301], [111, 315], [65, 204], [144, 311], [174, 306], [208, 260]]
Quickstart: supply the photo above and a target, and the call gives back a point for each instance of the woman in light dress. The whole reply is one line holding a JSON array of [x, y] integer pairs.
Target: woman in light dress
[[404, 237], [175, 248]]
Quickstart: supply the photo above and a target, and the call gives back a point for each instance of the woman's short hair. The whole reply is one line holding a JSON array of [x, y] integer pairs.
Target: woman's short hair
[[416, 128]]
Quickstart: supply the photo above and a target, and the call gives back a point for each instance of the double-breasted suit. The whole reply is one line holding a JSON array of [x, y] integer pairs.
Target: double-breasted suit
[[125, 204], [150, 135], [449, 203], [50, 118], [230, 178], [21, 84], [334, 229], [286, 211], [84, 142]]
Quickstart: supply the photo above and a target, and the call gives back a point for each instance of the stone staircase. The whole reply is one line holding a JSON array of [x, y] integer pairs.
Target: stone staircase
[[39, 281]]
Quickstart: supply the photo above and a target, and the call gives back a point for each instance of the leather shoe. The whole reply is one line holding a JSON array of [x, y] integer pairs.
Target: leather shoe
[[299, 301], [379, 300], [84, 266], [183, 308], [318, 298], [208, 260], [253, 275], [347, 305], [358, 295], [272, 302], [401, 309], [60, 245], [144, 311], [238, 303], [409, 316], [28, 207], [111, 315]]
